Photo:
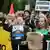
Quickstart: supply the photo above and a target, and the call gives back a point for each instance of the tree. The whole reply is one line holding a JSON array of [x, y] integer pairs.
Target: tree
[[19, 4]]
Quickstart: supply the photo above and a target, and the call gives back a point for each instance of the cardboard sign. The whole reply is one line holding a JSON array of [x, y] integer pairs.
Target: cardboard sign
[[42, 6]]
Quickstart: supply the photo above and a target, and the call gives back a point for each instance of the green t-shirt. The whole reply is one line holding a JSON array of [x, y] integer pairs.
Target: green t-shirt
[[42, 31]]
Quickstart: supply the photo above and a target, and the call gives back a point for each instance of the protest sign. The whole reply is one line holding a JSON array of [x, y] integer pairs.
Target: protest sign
[[42, 6]]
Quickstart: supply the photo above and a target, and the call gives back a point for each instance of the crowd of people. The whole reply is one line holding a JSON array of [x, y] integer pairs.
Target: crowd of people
[[32, 21]]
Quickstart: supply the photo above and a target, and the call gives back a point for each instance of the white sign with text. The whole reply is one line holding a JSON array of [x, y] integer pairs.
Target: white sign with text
[[42, 6]]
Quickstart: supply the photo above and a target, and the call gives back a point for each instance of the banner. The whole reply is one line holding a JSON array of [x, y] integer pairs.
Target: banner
[[42, 6]]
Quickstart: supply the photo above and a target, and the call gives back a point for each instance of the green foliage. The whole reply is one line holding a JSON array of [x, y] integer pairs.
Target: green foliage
[[19, 4]]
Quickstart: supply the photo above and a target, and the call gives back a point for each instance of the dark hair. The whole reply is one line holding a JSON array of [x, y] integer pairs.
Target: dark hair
[[27, 11], [48, 15]]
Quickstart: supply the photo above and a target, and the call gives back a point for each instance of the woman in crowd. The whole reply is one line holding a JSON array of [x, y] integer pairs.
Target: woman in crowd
[[42, 26]]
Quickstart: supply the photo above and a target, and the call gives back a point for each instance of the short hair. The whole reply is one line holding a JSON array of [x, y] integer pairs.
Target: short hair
[[27, 11]]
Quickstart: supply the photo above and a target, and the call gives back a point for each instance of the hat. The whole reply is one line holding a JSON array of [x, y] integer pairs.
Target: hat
[[11, 12]]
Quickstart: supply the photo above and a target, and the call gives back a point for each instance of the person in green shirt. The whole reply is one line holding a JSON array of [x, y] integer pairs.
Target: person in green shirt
[[41, 28]]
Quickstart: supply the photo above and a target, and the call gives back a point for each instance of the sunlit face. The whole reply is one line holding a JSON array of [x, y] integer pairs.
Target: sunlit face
[[42, 22], [19, 20]]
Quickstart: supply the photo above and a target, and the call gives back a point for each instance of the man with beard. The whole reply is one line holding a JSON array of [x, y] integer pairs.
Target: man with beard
[[28, 21]]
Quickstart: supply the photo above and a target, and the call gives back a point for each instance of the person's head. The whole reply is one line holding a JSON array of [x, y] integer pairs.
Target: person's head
[[41, 15], [33, 13], [42, 20], [20, 20], [19, 13], [27, 14], [42, 23]]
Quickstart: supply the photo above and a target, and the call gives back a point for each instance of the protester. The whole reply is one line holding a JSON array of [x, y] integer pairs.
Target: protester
[[19, 13], [28, 20], [33, 42], [42, 28], [27, 15], [32, 15], [33, 20]]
